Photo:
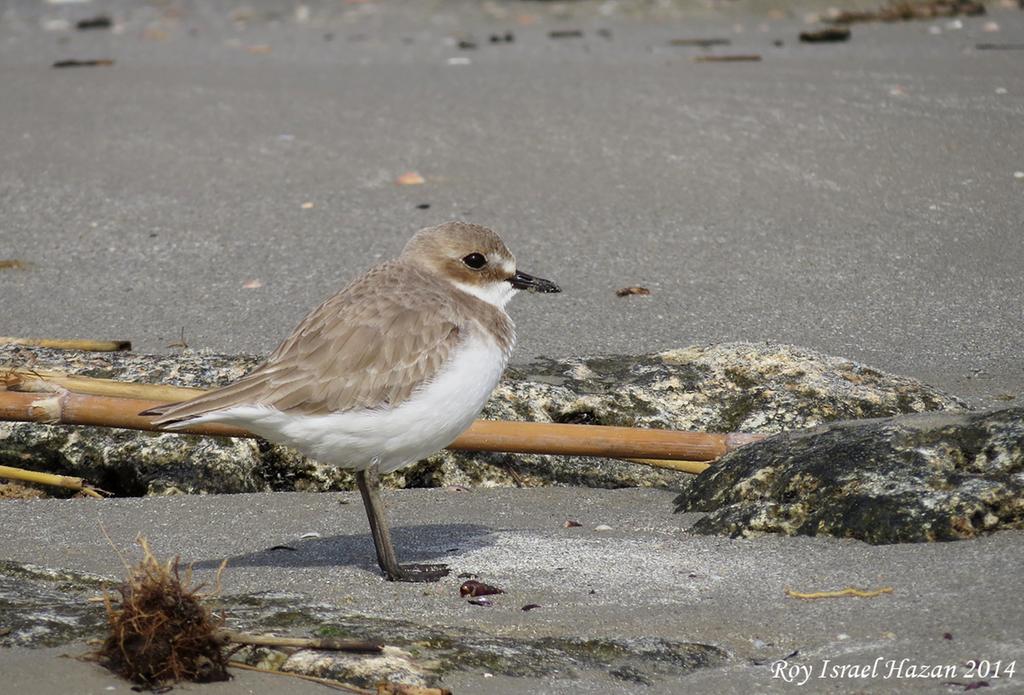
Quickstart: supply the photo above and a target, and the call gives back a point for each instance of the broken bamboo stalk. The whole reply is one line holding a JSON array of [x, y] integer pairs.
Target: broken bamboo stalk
[[57, 344], [43, 380], [65, 481], [69, 408], [694, 467]]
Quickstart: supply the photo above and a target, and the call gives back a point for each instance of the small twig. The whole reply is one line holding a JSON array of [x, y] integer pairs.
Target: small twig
[[999, 47], [86, 345], [337, 685], [180, 343], [406, 689], [65, 481], [700, 43], [737, 58], [510, 467], [849, 591], [103, 62], [113, 546], [329, 644]]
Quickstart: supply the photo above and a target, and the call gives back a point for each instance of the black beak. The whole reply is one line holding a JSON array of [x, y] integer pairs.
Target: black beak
[[522, 281]]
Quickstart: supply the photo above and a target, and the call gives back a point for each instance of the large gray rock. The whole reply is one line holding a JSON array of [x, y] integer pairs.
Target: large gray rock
[[765, 388], [933, 477]]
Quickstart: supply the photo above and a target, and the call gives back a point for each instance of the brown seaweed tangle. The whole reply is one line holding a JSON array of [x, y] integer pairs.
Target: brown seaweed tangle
[[160, 630]]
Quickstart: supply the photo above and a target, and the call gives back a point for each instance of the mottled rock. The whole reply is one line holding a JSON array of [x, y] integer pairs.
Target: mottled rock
[[46, 607], [934, 477], [19, 491], [904, 10], [392, 664], [765, 388]]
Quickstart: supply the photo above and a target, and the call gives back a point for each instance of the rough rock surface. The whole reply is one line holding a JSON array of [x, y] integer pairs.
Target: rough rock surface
[[44, 607], [765, 388], [934, 477]]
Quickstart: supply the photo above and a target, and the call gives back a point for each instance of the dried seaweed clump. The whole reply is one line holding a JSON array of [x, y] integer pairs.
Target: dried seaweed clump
[[160, 631]]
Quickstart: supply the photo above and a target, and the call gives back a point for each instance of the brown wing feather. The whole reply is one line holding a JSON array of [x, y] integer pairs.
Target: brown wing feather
[[369, 346]]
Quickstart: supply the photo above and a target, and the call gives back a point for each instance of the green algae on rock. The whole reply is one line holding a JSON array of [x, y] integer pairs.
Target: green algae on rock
[[43, 607], [423, 655], [934, 477]]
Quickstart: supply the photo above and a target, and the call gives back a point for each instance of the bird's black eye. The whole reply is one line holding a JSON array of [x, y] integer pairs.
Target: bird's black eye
[[476, 261]]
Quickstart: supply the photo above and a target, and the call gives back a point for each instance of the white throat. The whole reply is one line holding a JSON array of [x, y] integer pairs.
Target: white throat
[[495, 293]]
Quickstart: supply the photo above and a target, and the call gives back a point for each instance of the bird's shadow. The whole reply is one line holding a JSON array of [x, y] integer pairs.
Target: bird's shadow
[[420, 543]]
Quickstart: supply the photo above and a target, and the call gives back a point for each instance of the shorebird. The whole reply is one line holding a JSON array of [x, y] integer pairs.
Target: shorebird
[[387, 371]]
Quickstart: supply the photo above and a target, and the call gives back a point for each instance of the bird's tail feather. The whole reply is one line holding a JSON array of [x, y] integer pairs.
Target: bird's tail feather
[[238, 393]]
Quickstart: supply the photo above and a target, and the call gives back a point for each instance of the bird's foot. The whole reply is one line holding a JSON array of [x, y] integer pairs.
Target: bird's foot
[[417, 573]]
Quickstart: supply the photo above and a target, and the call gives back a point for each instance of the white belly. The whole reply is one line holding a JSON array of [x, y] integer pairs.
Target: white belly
[[429, 421]]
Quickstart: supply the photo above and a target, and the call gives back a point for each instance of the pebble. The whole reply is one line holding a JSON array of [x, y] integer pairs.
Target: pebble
[[56, 24]]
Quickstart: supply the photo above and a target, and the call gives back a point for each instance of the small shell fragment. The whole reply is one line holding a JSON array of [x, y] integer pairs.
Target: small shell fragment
[[410, 178]]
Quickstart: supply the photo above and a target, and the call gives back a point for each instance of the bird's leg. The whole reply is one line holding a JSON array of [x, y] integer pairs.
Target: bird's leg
[[368, 481]]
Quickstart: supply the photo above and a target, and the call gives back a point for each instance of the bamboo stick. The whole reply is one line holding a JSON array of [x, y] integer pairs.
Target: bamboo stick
[[57, 344], [40, 380], [694, 467], [841, 593], [68, 408], [484, 435], [65, 481], [590, 440], [46, 380]]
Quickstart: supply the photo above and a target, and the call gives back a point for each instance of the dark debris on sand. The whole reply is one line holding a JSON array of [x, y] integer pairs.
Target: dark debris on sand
[[160, 631]]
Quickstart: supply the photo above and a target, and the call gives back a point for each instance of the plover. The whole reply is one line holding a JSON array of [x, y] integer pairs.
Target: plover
[[387, 371]]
